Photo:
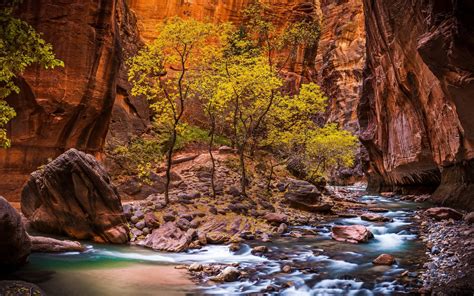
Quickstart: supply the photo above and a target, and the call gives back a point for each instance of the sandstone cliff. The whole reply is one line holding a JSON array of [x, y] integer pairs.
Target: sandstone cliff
[[70, 106], [416, 112]]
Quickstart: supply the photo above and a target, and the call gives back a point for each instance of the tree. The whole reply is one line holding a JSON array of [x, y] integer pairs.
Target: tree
[[293, 130], [250, 89], [20, 47], [164, 72]]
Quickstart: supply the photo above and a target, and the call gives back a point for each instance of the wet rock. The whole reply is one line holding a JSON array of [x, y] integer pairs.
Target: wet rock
[[86, 205], [282, 228], [443, 213], [15, 245], [234, 247], [195, 267], [229, 274], [169, 238], [351, 234], [374, 217], [50, 245], [276, 218], [151, 221], [384, 259], [259, 250], [469, 218], [286, 269]]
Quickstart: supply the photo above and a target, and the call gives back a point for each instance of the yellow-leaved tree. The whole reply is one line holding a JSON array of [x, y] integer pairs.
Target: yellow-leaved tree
[[164, 72]]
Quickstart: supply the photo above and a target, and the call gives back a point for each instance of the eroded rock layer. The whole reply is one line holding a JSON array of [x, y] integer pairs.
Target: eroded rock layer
[[416, 110], [65, 107]]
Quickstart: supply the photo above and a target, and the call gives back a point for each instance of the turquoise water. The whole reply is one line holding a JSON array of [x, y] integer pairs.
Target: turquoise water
[[326, 267]]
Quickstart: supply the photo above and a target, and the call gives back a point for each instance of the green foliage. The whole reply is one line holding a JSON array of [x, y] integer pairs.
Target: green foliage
[[194, 134], [139, 156], [20, 47]]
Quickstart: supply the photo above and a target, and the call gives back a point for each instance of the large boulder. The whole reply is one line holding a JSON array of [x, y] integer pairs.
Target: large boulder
[[305, 196], [73, 196], [170, 238], [352, 234], [15, 245]]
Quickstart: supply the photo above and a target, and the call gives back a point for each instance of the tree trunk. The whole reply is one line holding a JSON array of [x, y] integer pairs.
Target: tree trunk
[[243, 173], [213, 161], [168, 165]]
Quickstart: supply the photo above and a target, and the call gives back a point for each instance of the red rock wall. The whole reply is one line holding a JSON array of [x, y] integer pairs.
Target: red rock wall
[[70, 106], [416, 112], [341, 59]]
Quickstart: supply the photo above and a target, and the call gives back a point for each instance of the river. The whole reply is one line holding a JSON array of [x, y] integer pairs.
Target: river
[[321, 266]]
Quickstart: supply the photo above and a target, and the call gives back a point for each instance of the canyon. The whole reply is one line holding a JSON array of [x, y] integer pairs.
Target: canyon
[[398, 74], [413, 111]]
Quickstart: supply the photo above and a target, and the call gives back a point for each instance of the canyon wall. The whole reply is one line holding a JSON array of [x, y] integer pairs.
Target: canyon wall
[[65, 107], [416, 111], [341, 59]]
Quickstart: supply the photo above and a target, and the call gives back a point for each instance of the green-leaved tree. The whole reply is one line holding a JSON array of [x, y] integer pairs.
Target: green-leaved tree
[[20, 47]]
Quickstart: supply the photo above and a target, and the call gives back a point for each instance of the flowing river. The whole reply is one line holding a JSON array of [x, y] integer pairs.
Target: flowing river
[[328, 267]]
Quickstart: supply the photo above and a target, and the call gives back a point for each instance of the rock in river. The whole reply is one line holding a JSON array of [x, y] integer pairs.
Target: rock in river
[[351, 234], [51, 245], [305, 196], [374, 217], [384, 259], [15, 245], [73, 195]]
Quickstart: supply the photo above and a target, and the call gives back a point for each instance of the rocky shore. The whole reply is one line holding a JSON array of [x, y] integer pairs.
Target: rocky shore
[[449, 242]]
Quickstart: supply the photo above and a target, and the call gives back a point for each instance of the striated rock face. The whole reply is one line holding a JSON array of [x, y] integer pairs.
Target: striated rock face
[[416, 110], [70, 106], [73, 196], [130, 115], [341, 59]]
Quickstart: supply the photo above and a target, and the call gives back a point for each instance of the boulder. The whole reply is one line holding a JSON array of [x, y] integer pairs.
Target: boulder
[[73, 196], [259, 250], [151, 221], [443, 213], [50, 245], [169, 238], [276, 218], [15, 245], [351, 234], [374, 217], [384, 259], [305, 196], [229, 274]]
